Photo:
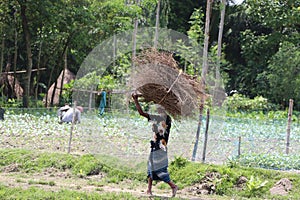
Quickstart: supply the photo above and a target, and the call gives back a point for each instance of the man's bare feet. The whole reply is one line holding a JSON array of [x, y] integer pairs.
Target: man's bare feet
[[149, 193], [174, 190]]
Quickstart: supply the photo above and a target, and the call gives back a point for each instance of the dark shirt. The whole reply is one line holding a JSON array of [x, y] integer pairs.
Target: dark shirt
[[161, 127]]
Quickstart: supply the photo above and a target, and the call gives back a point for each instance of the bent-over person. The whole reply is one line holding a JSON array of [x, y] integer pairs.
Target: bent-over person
[[68, 115]]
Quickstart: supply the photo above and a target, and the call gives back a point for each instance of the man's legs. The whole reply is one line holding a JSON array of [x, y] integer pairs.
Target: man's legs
[[149, 191], [174, 188]]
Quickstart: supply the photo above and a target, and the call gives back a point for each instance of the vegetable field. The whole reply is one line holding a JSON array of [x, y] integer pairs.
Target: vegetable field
[[127, 136]]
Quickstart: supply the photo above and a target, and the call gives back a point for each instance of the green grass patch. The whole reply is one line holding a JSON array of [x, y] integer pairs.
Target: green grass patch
[[278, 162], [223, 178], [41, 182], [84, 165], [35, 193], [30, 161]]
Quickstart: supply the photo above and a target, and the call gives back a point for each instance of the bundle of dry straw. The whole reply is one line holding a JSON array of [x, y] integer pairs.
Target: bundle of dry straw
[[157, 77]]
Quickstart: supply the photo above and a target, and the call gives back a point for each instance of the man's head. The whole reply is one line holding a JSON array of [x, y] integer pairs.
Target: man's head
[[160, 109]]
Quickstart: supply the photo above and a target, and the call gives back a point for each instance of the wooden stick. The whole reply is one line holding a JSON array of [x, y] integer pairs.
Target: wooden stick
[[239, 146], [288, 129], [205, 137], [180, 72], [24, 71], [72, 127], [198, 130]]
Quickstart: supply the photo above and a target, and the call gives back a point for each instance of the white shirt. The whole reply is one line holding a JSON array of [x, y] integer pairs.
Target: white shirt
[[68, 116]]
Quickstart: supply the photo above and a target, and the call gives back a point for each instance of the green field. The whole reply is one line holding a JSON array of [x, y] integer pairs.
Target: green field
[[108, 157]]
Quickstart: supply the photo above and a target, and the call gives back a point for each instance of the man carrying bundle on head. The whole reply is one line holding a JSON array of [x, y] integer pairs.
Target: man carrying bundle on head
[[158, 159]]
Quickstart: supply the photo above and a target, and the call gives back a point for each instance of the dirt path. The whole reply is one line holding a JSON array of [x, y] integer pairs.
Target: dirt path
[[54, 180]]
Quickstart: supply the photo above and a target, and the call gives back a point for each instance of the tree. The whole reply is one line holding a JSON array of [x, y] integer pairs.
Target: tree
[[220, 36], [26, 31], [206, 40], [254, 31], [284, 75], [180, 13], [204, 70]]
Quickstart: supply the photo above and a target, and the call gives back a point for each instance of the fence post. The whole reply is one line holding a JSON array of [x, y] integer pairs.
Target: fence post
[[288, 129], [72, 127], [198, 131], [205, 136], [239, 146]]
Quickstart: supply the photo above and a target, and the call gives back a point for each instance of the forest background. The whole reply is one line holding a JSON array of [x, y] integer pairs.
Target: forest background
[[260, 44]]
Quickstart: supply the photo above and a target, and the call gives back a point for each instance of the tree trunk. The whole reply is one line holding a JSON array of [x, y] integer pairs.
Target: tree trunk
[[61, 84], [52, 71], [157, 24], [220, 36], [204, 72], [206, 40], [134, 37], [15, 53], [2, 53], [218, 93], [38, 72], [26, 31], [9, 91], [114, 50]]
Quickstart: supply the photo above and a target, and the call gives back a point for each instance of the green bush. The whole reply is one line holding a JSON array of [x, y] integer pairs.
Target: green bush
[[87, 165], [179, 162], [255, 187], [239, 102]]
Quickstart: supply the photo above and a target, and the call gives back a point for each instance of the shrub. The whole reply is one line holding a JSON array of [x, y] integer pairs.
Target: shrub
[[255, 187], [87, 165], [239, 102]]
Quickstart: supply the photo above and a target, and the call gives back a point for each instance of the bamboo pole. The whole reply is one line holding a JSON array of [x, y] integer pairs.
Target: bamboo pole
[[157, 24], [24, 71], [198, 131], [72, 127], [239, 146], [288, 130], [205, 136], [136, 23], [2, 51], [91, 99]]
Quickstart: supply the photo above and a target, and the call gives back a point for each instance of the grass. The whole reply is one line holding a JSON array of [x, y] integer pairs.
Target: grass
[[36, 193], [83, 165], [259, 180], [279, 162], [112, 140], [41, 182], [183, 172]]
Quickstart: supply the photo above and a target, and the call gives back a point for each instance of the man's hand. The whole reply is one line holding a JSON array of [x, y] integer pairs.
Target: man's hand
[[135, 96]]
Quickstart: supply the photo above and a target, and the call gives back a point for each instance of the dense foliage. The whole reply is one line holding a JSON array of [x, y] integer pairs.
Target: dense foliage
[[260, 42]]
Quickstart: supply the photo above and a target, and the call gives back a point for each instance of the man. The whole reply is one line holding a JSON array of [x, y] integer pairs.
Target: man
[[68, 115], [102, 102], [158, 159]]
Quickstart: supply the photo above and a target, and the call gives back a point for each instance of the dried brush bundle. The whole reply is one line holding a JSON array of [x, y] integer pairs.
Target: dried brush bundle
[[158, 79]]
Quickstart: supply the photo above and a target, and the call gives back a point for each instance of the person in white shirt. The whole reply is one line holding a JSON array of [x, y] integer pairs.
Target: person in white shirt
[[68, 115], [61, 111]]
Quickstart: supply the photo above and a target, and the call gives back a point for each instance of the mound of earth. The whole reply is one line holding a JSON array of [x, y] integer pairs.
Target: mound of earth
[[282, 187]]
